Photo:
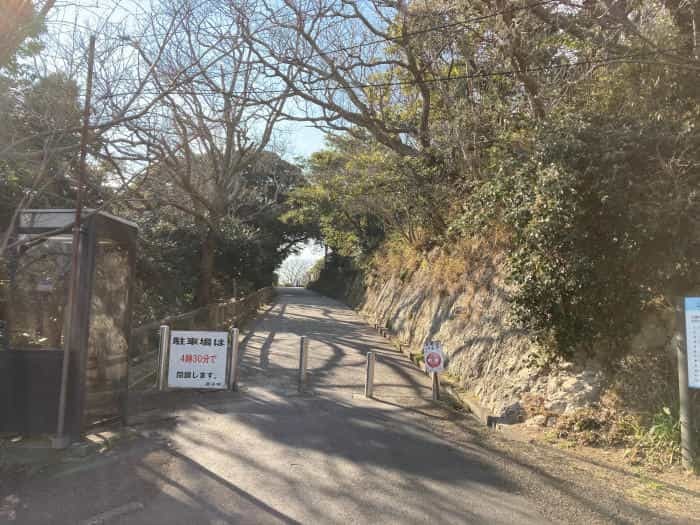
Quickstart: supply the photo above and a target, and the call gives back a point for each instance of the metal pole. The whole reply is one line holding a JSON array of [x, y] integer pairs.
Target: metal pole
[[61, 440], [233, 372], [436, 386], [235, 301], [303, 361], [369, 374], [163, 356], [685, 414]]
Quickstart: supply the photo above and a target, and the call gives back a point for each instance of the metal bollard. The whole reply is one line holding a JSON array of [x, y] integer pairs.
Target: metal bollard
[[234, 366], [436, 386], [303, 361], [369, 374], [163, 356]]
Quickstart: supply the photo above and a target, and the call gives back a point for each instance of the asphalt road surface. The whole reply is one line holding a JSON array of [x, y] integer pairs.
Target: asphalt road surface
[[269, 454]]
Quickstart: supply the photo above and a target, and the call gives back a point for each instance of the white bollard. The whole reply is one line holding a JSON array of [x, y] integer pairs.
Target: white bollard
[[303, 362]]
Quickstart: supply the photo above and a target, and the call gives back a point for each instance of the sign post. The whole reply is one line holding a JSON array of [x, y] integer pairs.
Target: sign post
[[163, 346], [197, 359], [688, 355], [233, 370], [434, 360], [436, 386]]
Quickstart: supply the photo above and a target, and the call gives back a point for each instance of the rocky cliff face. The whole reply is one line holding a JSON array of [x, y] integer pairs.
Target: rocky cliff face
[[496, 362]]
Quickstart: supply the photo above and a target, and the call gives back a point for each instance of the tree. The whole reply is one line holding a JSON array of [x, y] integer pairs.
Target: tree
[[29, 109], [185, 201], [206, 144], [245, 257], [295, 271], [41, 136], [298, 42], [40, 172], [566, 131], [403, 75], [20, 22]]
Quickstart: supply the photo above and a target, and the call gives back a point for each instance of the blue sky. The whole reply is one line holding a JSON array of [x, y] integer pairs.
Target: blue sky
[[303, 140], [294, 140]]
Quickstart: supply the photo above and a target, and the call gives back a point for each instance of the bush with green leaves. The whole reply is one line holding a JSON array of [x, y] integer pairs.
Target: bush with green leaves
[[599, 208]]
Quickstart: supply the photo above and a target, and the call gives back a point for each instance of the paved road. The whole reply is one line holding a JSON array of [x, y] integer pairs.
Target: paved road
[[271, 455]]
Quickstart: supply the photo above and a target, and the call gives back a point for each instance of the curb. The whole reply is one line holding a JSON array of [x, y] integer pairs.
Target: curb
[[468, 403], [462, 400]]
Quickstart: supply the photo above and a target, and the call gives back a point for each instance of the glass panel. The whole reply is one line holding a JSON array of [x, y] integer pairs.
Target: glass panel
[[46, 218], [36, 295]]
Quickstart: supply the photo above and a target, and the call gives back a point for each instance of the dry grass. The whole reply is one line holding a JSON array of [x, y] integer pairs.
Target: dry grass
[[594, 426], [396, 258], [447, 266], [649, 440], [473, 257]]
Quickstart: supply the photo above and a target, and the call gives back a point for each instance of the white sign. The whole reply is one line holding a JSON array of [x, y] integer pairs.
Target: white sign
[[433, 356], [197, 359], [692, 339]]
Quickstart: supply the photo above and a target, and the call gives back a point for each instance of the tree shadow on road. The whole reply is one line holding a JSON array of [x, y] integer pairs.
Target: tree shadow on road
[[267, 456]]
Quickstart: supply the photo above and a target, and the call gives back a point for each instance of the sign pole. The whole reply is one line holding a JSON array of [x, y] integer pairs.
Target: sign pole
[[163, 356], [436, 386], [684, 338], [233, 372], [62, 440]]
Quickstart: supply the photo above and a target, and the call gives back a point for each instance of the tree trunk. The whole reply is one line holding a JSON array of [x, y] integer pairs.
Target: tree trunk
[[206, 269]]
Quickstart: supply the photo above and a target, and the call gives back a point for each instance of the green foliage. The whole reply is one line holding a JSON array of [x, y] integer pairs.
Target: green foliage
[[169, 257], [661, 442], [39, 143], [598, 207], [20, 25], [359, 190], [337, 278], [314, 273], [590, 177], [243, 239]]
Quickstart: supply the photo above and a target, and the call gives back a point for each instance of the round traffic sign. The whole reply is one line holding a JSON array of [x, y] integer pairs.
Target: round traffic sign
[[433, 359]]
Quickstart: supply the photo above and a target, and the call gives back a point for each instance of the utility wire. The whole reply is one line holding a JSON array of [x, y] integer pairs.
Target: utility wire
[[397, 38], [629, 58]]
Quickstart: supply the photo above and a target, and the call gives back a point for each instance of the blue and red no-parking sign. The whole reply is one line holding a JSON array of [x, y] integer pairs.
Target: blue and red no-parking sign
[[433, 356]]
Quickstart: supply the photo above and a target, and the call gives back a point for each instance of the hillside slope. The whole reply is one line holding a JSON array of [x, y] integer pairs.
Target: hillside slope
[[462, 300]]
